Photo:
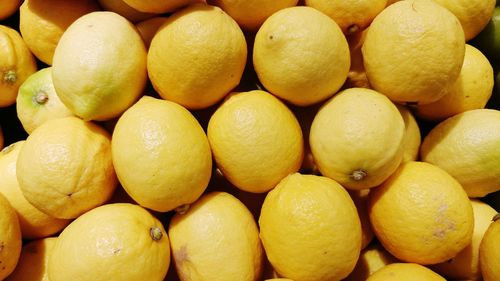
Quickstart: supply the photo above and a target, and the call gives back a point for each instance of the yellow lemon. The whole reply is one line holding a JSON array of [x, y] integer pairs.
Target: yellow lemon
[[405, 272], [161, 154], [122, 8], [471, 90], [158, 7], [301, 55], [357, 138], [473, 15], [99, 66], [467, 146], [197, 56], [412, 138], [390, 2], [33, 222], [351, 15], [256, 140], [115, 242], [465, 265], [37, 101], [65, 169], [356, 78], [310, 229], [8, 8], [216, 239], [413, 51], [251, 14], [360, 198], [42, 23], [149, 27], [489, 251], [10, 238], [16, 64], [421, 214], [371, 259], [34, 260]]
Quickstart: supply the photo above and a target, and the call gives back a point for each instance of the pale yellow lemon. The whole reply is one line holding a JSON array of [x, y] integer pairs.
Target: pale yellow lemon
[[216, 239], [122, 8], [301, 55], [471, 90], [16, 64], [197, 56], [33, 263], [42, 23], [467, 146], [159, 7], [115, 242], [405, 272], [8, 8], [357, 138], [360, 199], [65, 169], [99, 66], [161, 154], [310, 229], [489, 251], [421, 214], [148, 28], [412, 139], [371, 259], [10, 238], [256, 140], [404, 53], [33, 222]]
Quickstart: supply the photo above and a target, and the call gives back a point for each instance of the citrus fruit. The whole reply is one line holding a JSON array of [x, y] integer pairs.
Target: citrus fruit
[[112, 242], [352, 16], [38, 102], [148, 28], [412, 138], [371, 259], [8, 8], [161, 154], [123, 9], [65, 169], [473, 15], [10, 238], [488, 40], [301, 55], [489, 251], [158, 7], [16, 64], [467, 146], [33, 222], [357, 138], [310, 229], [465, 265], [471, 90], [360, 199], [99, 66], [34, 261], [256, 140], [356, 78], [403, 51], [216, 230], [197, 56], [251, 14], [42, 23], [421, 214], [405, 272]]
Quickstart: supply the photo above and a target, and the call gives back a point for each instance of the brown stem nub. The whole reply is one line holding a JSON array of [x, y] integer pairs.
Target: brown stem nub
[[10, 76], [353, 28], [155, 233], [41, 97], [359, 175]]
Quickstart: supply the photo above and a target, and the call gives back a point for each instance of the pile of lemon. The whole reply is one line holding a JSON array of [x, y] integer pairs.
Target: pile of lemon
[[248, 140]]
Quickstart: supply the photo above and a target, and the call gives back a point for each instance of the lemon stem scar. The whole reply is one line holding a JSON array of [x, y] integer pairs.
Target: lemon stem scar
[[155, 233], [182, 209], [41, 97], [10, 76], [353, 28], [359, 175], [496, 217]]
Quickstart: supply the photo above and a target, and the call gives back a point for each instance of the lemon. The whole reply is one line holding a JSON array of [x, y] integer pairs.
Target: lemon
[[473, 15], [489, 251], [65, 169], [34, 261], [357, 138], [33, 222], [371, 259], [465, 265], [216, 239], [471, 90], [352, 15], [112, 242], [256, 140], [301, 55], [99, 66], [279, 279], [412, 138], [356, 78], [421, 214], [161, 154], [123, 9], [197, 56], [8, 8], [10, 238], [488, 40], [158, 7], [467, 146], [42, 23], [148, 28], [16, 64], [405, 272], [360, 199], [310, 229], [251, 14], [38, 102], [404, 52]]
